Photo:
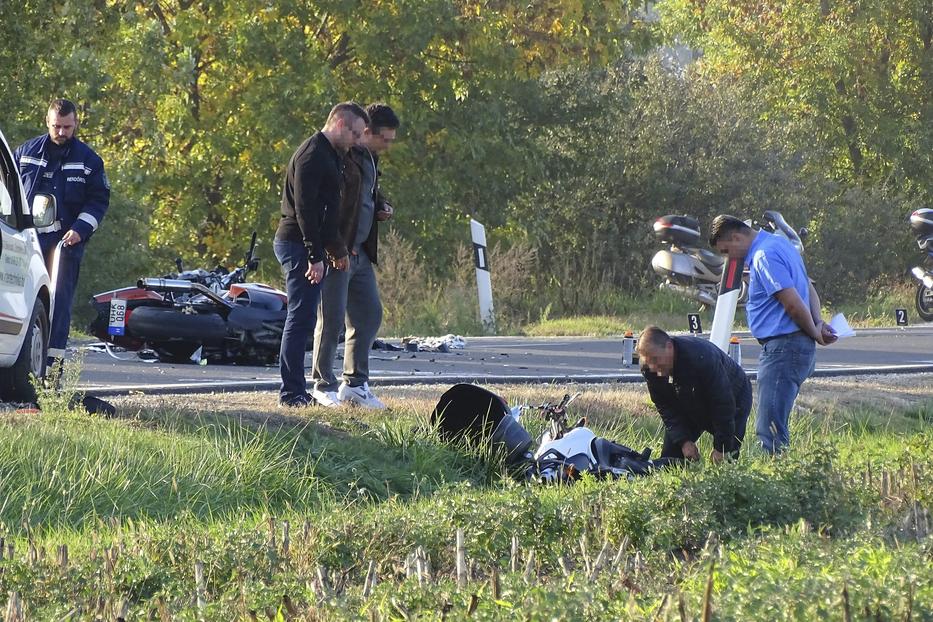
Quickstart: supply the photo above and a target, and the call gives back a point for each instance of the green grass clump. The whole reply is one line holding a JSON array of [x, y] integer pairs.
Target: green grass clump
[[72, 470]]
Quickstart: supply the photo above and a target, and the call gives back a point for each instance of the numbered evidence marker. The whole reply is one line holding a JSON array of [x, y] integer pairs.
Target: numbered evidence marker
[[901, 316], [693, 320], [117, 324]]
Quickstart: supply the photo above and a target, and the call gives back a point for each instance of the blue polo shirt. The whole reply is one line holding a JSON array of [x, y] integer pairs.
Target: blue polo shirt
[[774, 264]]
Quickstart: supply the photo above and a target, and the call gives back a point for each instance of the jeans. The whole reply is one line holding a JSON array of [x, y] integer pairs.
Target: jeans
[[69, 267], [783, 365], [303, 298], [348, 298]]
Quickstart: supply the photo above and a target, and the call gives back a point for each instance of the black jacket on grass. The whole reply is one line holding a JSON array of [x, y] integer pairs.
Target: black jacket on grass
[[706, 391]]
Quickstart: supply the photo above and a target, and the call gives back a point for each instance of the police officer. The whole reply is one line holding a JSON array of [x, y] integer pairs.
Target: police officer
[[60, 165]]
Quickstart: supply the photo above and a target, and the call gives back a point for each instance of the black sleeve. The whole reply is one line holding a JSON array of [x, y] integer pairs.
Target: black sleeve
[[310, 170], [714, 382], [665, 400]]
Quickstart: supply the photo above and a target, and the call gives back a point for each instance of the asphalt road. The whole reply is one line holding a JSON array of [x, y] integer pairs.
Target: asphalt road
[[501, 359]]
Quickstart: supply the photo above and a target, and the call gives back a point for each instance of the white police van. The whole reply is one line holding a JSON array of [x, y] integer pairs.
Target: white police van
[[25, 289]]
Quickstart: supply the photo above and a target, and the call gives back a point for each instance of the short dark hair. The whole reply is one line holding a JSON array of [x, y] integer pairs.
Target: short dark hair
[[724, 225], [347, 108], [63, 107], [652, 337], [380, 116]]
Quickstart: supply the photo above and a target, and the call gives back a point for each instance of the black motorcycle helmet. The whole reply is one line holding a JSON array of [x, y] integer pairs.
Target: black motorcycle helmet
[[921, 223], [467, 411]]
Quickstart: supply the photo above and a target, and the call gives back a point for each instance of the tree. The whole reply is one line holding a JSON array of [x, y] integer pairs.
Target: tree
[[197, 105], [854, 77]]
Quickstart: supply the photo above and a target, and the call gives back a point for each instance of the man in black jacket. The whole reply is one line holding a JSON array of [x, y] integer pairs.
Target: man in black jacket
[[307, 232], [696, 388]]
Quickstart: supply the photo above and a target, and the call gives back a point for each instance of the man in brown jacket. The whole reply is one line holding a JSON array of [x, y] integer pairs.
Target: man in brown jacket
[[350, 297]]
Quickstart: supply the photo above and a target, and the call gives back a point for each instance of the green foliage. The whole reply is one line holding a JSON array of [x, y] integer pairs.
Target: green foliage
[[196, 107], [552, 122], [631, 143], [853, 78]]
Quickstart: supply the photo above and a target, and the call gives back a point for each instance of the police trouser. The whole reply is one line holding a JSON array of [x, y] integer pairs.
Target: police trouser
[[69, 266]]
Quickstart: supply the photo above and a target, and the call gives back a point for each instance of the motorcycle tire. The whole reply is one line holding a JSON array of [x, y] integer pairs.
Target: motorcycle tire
[[925, 303]]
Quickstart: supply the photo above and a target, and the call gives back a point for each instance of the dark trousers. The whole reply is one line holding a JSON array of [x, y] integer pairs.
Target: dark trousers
[[303, 297], [69, 267], [743, 406]]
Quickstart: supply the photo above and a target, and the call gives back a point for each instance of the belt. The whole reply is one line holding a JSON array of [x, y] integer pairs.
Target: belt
[[55, 226], [765, 340]]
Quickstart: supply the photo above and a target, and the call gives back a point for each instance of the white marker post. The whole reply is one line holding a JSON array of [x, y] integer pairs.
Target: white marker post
[[729, 288], [483, 279]]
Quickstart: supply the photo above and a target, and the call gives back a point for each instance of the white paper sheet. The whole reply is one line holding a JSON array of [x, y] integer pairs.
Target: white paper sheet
[[841, 326]]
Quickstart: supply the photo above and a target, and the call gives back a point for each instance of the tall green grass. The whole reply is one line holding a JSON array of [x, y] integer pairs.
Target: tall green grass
[[144, 499], [73, 470]]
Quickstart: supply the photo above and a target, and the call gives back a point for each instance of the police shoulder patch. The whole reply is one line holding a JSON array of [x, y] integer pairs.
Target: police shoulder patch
[[106, 180]]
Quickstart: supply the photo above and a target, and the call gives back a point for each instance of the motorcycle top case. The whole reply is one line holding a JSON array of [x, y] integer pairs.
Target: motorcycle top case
[[678, 230], [921, 222]]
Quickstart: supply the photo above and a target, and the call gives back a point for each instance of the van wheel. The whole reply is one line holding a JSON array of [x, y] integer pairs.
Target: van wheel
[[16, 383]]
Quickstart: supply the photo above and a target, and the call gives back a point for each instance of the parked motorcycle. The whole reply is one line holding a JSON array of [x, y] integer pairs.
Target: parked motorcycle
[[921, 223], [693, 271], [196, 314]]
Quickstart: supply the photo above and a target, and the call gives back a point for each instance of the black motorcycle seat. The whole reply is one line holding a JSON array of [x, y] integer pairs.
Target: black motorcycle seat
[[711, 259]]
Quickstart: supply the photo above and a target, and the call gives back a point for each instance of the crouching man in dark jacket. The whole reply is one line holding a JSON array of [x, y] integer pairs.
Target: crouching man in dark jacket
[[696, 388]]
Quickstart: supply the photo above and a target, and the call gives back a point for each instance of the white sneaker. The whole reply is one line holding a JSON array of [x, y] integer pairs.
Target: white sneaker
[[327, 399], [360, 396]]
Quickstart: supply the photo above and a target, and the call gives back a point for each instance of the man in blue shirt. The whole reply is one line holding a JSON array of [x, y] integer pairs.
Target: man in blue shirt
[[783, 311]]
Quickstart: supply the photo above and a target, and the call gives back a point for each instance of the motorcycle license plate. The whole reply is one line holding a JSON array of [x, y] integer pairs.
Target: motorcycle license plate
[[117, 324]]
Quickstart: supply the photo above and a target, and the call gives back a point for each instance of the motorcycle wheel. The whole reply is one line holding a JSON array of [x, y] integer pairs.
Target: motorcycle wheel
[[925, 303]]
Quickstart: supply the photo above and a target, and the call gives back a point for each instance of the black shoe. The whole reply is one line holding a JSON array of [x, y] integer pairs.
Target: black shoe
[[299, 401]]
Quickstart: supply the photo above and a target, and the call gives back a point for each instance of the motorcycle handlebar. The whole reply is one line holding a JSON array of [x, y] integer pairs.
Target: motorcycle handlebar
[[778, 222]]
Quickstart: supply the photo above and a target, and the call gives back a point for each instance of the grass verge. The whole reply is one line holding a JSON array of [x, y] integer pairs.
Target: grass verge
[[222, 507]]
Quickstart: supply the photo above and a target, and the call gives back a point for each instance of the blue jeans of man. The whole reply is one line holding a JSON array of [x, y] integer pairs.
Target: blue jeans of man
[[784, 363], [303, 297], [69, 268]]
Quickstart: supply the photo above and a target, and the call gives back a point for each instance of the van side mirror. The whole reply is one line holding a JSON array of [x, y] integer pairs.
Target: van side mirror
[[44, 210]]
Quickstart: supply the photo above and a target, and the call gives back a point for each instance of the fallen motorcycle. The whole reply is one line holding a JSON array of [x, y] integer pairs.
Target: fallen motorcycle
[[694, 272], [921, 223], [194, 315], [470, 414]]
